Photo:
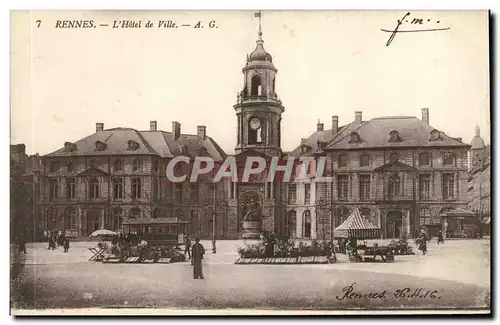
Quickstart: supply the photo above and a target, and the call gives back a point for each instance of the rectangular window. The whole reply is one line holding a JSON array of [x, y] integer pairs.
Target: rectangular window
[[424, 159], [343, 187], [364, 187], [53, 188], [425, 221], [292, 193], [94, 189], [364, 160], [211, 192], [394, 186], [158, 188], [449, 159], [231, 189], [71, 188], [425, 187], [307, 193], [178, 192], [343, 161], [54, 166], [194, 193], [136, 188], [448, 186], [118, 188], [269, 190]]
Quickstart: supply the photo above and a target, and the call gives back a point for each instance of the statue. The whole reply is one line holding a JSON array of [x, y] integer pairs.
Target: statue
[[253, 211]]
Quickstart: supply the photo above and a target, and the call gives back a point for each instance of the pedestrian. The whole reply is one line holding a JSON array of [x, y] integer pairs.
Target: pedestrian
[[198, 251], [422, 244], [187, 250], [440, 237], [66, 244], [22, 246]]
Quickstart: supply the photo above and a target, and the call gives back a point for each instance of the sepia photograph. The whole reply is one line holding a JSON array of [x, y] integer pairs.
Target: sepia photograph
[[263, 162]]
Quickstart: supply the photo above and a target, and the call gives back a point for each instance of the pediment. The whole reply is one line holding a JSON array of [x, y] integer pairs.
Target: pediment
[[395, 167], [93, 172]]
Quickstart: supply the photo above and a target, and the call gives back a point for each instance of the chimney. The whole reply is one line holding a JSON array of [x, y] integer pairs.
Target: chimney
[[335, 124], [153, 126], [319, 126], [358, 117], [202, 131], [425, 115], [99, 127], [176, 130]]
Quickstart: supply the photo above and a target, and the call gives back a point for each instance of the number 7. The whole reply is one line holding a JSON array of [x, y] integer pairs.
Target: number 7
[[39, 22]]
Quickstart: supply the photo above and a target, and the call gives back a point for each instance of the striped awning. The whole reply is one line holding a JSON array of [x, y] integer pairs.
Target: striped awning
[[357, 226]]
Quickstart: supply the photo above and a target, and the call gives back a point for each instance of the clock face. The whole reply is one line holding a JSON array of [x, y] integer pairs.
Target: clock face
[[255, 123]]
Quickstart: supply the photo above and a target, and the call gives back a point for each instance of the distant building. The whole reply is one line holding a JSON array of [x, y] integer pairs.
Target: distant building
[[479, 181], [24, 189]]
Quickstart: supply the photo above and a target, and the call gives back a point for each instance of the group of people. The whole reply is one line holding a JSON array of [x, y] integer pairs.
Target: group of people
[[58, 239], [195, 253]]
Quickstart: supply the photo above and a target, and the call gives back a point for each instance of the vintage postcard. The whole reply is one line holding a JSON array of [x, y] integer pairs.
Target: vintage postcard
[[250, 162]]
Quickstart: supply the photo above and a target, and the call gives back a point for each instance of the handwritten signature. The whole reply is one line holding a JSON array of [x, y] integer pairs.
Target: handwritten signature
[[404, 293], [416, 21]]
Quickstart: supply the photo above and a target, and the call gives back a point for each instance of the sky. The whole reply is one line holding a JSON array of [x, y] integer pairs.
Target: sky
[[64, 80]]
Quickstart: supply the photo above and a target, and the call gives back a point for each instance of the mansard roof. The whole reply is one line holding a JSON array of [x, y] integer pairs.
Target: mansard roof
[[157, 143], [411, 132], [326, 136]]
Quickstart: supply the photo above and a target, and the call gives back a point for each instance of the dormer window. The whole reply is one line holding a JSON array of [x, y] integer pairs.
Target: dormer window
[[435, 135], [132, 145], [100, 146], [305, 148], [69, 147], [202, 151], [394, 136], [355, 138]]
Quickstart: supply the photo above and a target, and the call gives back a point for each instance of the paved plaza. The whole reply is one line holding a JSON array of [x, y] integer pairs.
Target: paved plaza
[[456, 274]]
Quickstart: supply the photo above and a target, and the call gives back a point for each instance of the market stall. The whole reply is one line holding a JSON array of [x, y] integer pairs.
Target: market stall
[[358, 227]]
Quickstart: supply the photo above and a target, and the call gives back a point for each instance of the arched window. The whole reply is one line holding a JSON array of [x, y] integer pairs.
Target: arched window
[[256, 86], [136, 164], [94, 188], [135, 213], [307, 224], [292, 223], [274, 86]]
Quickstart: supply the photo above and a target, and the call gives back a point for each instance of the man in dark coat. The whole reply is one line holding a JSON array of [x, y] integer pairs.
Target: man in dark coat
[[197, 255], [440, 237], [66, 244]]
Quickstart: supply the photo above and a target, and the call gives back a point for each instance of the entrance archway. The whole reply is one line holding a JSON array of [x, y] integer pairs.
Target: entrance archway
[[307, 224], [394, 224]]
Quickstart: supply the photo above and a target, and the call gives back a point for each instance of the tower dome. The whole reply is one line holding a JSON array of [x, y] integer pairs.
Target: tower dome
[[477, 142], [259, 54]]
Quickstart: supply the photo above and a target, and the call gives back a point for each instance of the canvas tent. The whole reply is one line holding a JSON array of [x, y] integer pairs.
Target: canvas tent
[[356, 226]]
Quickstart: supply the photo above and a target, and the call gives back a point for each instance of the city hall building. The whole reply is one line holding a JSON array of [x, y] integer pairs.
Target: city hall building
[[401, 172]]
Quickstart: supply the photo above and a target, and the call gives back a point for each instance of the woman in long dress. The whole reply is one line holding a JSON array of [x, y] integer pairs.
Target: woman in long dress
[[197, 252]]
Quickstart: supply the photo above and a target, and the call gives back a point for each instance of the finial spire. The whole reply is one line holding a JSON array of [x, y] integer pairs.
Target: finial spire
[[259, 15], [478, 131]]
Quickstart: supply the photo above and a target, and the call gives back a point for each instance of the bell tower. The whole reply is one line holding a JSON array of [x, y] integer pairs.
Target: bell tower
[[258, 108]]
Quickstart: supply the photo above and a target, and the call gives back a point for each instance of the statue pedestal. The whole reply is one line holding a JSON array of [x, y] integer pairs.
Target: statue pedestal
[[251, 230]]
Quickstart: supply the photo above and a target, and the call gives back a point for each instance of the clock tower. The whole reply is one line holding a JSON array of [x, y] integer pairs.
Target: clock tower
[[258, 109]]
